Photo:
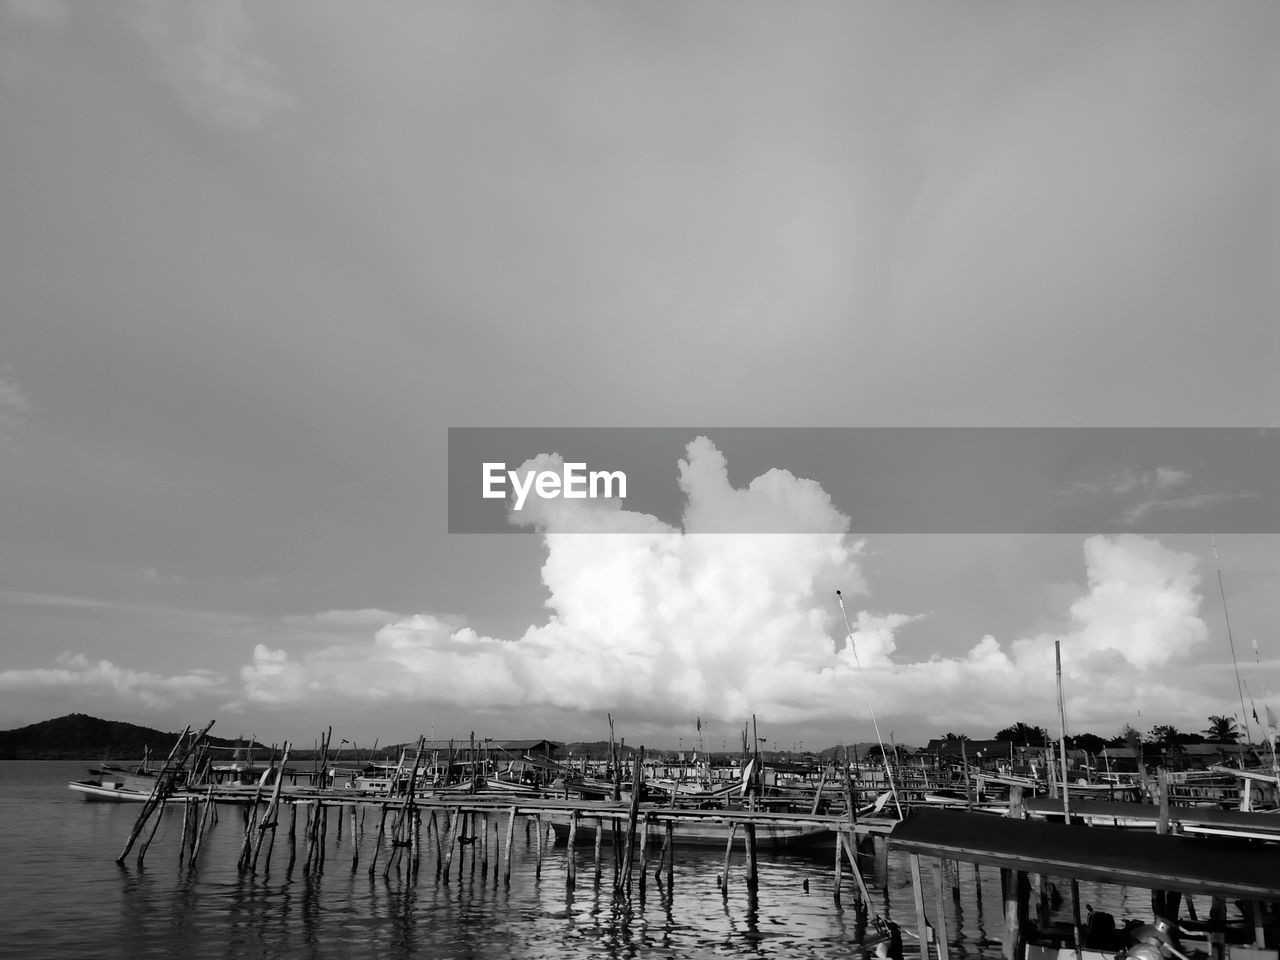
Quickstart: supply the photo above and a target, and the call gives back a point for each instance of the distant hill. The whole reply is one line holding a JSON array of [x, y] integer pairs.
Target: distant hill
[[80, 737]]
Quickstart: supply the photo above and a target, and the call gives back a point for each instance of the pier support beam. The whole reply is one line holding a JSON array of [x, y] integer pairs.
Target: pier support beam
[[1017, 896]]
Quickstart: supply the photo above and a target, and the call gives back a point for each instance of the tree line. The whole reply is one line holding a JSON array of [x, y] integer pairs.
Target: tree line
[[1222, 730]]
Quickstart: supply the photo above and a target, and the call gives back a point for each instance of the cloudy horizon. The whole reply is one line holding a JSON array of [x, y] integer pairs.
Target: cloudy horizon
[[258, 260]]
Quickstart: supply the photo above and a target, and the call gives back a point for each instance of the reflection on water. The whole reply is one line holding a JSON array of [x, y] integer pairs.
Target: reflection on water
[[63, 891]]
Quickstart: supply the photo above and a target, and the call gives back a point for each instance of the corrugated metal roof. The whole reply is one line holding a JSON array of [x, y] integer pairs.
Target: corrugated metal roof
[[1212, 866]]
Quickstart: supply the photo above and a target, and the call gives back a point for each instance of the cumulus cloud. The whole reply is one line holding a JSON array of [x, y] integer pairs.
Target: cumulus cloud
[[668, 621], [77, 673]]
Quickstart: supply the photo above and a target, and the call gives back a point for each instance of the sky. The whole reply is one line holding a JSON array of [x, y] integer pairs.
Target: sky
[[258, 259]]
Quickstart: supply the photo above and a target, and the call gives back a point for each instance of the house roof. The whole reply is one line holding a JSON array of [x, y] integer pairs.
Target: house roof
[[1214, 866]]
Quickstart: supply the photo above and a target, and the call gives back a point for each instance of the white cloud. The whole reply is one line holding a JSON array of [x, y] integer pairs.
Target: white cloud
[[1191, 502], [667, 622], [77, 673]]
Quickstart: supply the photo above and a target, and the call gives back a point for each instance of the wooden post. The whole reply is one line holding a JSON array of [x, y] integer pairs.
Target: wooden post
[[355, 841], [1017, 894], [272, 814], [753, 878], [728, 850], [540, 829], [204, 822], [917, 892], [863, 893], [1075, 919], [293, 836], [570, 867], [838, 868], [377, 843], [623, 885], [940, 920], [644, 852], [162, 785], [1218, 928], [1162, 781], [506, 854], [670, 847], [851, 798], [599, 837]]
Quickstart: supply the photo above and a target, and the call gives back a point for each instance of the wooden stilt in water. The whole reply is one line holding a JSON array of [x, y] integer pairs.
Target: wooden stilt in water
[[540, 830], [377, 843], [599, 837], [669, 845], [728, 853], [838, 869], [623, 886], [506, 854], [753, 877], [293, 835], [204, 821], [1017, 895], [451, 843], [940, 921], [644, 853], [864, 895], [272, 814], [917, 892], [355, 841], [570, 867], [162, 785], [142, 851]]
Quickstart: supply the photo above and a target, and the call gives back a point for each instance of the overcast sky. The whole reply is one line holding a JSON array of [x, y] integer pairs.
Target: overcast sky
[[256, 259]]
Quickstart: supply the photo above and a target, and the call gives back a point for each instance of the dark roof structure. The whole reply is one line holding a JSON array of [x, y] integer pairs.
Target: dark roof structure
[[1212, 866], [1199, 819]]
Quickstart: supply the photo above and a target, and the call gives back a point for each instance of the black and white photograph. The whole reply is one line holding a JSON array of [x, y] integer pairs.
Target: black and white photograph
[[514, 479]]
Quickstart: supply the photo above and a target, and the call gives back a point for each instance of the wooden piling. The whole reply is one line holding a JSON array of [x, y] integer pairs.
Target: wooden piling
[[670, 847], [377, 843], [839, 867], [623, 885], [753, 877], [164, 783], [355, 841], [272, 814], [917, 892], [940, 920], [506, 854], [1017, 895], [644, 853], [570, 875], [599, 838], [540, 830]]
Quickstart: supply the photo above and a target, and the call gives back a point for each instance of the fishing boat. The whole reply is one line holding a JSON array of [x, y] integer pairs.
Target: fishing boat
[[113, 785]]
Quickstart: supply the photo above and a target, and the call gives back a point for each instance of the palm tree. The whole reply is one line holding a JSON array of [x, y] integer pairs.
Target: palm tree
[[1222, 730], [1025, 734], [955, 737]]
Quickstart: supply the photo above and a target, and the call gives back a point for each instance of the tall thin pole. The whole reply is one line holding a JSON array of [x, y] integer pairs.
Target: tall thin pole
[[871, 709], [1248, 733], [1062, 724]]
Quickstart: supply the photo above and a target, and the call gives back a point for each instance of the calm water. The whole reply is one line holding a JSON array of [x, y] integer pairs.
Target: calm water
[[63, 897]]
